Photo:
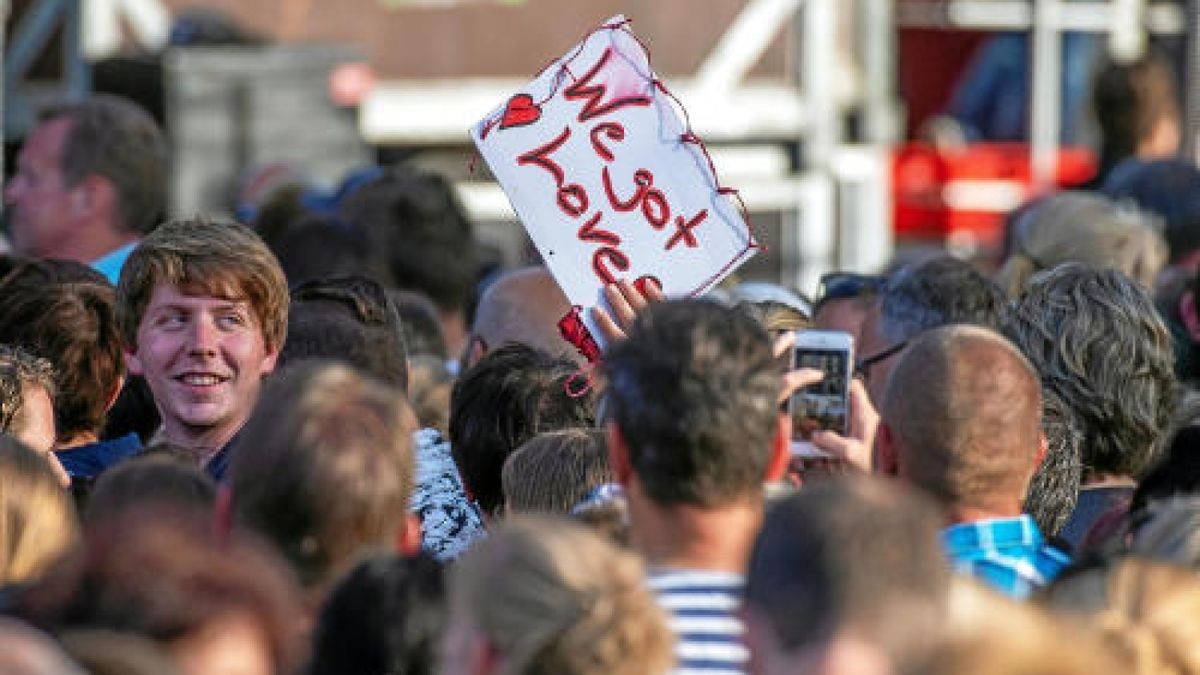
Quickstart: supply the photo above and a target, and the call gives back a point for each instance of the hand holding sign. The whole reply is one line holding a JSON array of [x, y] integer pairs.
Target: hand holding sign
[[611, 184]]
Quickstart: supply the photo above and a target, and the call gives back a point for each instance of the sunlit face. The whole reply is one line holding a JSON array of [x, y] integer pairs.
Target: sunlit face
[[204, 358], [41, 211]]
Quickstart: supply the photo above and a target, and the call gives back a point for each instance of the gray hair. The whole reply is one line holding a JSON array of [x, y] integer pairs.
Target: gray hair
[[1099, 345], [1054, 488], [1171, 532], [1086, 228], [934, 293]]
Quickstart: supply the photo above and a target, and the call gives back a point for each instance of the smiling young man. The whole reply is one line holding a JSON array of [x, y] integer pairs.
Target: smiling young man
[[203, 308]]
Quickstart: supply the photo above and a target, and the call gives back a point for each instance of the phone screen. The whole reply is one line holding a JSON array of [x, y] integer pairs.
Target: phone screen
[[821, 406]]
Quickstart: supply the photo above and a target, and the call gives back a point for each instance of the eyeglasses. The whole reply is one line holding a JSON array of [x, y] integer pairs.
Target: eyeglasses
[[840, 285], [862, 368]]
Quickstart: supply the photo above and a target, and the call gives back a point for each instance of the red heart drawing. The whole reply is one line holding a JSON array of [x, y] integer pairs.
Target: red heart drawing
[[520, 111]]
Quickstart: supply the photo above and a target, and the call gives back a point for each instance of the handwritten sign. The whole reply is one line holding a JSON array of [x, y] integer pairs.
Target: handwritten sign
[[601, 167]]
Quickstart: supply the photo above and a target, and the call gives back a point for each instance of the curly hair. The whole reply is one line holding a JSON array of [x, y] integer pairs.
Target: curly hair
[[556, 599], [1100, 346], [18, 370]]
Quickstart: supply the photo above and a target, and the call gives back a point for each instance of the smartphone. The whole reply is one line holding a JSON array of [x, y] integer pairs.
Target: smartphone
[[825, 405]]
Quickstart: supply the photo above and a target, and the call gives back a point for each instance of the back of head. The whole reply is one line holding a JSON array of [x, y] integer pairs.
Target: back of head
[[553, 597], [693, 392], [1086, 228], [218, 258], [1099, 344], [417, 233], [937, 292], [318, 247], [324, 467], [385, 616], [149, 482], [1147, 612], [167, 578], [964, 410], [37, 518], [112, 137], [1167, 188], [511, 395], [419, 318], [554, 471], [856, 556], [73, 325], [523, 306], [349, 319], [776, 317], [1131, 100]]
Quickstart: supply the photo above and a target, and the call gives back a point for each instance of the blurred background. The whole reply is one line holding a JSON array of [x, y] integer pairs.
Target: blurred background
[[855, 129]]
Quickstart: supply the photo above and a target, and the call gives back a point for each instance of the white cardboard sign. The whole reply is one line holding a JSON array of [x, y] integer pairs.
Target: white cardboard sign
[[607, 178]]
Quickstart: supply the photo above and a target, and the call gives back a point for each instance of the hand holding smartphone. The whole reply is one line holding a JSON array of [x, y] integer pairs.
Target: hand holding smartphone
[[824, 405]]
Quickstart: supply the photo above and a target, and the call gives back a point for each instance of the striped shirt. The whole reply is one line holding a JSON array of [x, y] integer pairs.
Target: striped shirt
[[702, 607], [1008, 554]]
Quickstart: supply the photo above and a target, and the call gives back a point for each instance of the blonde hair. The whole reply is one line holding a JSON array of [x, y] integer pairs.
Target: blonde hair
[[1148, 612], [987, 634], [1084, 228], [37, 518], [556, 599]]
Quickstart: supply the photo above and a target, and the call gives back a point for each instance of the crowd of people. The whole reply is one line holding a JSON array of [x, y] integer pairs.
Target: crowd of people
[[326, 440]]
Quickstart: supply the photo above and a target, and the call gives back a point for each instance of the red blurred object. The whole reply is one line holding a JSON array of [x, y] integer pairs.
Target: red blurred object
[[961, 196]]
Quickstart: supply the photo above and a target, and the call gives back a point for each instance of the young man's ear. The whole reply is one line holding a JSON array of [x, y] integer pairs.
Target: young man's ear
[[618, 453], [269, 360], [133, 364]]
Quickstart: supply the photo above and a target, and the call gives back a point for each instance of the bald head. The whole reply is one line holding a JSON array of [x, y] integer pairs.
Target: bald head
[[963, 413], [522, 306]]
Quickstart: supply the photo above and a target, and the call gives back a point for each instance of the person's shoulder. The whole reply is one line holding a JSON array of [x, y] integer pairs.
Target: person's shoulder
[[450, 522]]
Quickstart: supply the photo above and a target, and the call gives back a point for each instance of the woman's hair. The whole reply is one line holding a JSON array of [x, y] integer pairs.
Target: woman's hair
[[37, 518], [776, 317], [1085, 228], [555, 599], [1148, 612]]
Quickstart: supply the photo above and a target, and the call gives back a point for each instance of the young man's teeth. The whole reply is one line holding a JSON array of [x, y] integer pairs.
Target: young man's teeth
[[201, 380]]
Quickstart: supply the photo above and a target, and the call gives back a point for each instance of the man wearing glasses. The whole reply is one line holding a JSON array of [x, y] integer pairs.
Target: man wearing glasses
[[937, 292]]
